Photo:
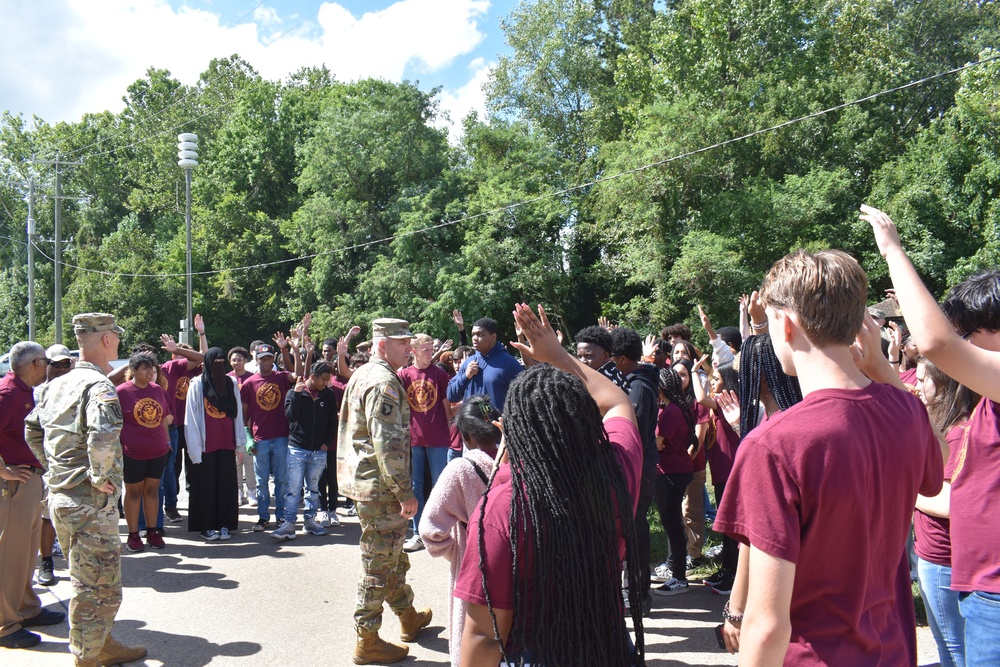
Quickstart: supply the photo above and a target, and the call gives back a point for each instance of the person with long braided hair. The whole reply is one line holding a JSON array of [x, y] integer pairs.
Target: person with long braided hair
[[802, 480], [565, 491], [674, 472]]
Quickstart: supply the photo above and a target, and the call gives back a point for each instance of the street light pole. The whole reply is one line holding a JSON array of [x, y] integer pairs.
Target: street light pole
[[187, 159]]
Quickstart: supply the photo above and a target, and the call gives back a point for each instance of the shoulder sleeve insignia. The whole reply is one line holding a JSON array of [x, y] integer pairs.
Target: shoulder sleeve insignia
[[387, 409], [391, 392], [108, 397]]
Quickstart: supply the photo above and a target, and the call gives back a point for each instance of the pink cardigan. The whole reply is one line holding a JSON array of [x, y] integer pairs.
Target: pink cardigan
[[443, 527]]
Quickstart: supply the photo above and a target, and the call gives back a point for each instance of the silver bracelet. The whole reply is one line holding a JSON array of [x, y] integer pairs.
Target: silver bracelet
[[758, 327], [729, 616]]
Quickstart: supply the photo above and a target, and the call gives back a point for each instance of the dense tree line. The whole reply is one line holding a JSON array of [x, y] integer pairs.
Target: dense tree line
[[347, 174]]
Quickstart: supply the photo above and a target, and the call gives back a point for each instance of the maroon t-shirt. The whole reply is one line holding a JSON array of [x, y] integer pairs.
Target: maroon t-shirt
[[975, 510], [264, 398], [220, 430], [673, 428], [829, 485], [16, 400], [909, 378], [144, 435], [178, 378], [498, 564], [239, 378], [426, 391], [933, 533], [722, 455]]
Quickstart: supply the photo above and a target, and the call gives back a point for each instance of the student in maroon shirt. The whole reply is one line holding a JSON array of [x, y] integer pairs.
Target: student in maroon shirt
[[964, 342], [826, 588], [246, 480], [185, 363], [146, 413], [579, 483], [430, 413]]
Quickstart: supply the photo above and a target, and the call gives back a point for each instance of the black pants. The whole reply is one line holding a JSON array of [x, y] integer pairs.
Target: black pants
[[669, 492], [182, 461], [328, 491], [730, 547], [642, 526], [213, 501]]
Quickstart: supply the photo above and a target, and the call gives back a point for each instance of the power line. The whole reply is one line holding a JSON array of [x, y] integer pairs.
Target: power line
[[192, 90], [558, 193]]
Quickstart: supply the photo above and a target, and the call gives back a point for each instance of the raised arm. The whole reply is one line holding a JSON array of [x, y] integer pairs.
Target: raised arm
[[199, 326], [343, 370], [699, 389], [456, 316], [976, 368], [194, 358], [543, 345]]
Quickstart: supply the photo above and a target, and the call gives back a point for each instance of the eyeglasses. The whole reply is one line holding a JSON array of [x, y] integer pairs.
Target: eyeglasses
[[968, 333], [45, 359], [66, 363]]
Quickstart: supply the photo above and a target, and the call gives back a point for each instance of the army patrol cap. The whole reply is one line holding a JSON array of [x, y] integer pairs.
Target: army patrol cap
[[390, 328], [95, 322], [58, 352]]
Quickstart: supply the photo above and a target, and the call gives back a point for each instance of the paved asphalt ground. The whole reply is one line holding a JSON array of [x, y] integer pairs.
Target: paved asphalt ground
[[254, 601]]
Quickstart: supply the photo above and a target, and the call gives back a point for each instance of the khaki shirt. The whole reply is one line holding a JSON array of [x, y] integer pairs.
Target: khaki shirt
[[373, 443], [74, 429]]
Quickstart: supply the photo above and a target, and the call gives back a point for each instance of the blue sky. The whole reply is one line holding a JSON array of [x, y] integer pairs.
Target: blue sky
[[63, 58]]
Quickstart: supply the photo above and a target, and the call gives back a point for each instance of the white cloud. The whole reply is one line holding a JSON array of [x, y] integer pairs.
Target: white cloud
[[469, 97], [63, 58]]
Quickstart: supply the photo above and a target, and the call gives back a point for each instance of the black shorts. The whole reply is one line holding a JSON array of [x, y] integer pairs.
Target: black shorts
[[137, 470]]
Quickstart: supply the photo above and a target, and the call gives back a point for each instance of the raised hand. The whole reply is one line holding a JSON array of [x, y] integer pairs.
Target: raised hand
[[744, 301], [355, 330], [756, 308], [199, 324], [542, 343], [867, 353], [891, 294], [701, 364], [306, 321], [559, 335], [280, 340], [445, 346], [886, 234], [705, 322], [603, 322], [342, 347], [895, 341], [649, 345], [456, 317], [169, 344], [730, 405]]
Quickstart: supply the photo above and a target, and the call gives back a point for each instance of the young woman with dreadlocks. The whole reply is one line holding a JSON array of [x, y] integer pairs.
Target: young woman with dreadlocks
[[675, 435], [444, 525], [571, 445]]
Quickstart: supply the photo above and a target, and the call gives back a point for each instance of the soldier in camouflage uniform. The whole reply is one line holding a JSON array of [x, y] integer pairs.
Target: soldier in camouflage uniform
[[74, 431], [373, 468]]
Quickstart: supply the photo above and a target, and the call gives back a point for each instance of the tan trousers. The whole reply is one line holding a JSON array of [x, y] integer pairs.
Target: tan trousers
[[694, 514], [20, 532]]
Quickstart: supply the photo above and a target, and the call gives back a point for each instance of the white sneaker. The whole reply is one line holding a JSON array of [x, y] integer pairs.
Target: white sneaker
[[661, 573], [334, 521], [286, 531], [323, 518], [252, 501], [413, 544], [314, 528]]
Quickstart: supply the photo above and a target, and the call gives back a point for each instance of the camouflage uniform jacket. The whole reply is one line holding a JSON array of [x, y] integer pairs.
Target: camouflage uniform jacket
[[373, 443], [74, 429]]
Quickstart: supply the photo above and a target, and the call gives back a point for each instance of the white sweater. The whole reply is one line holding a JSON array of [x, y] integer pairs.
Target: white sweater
[[194, 419]]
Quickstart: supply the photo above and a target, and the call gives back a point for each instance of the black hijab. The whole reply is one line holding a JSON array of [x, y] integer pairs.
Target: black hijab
[[217, 385]]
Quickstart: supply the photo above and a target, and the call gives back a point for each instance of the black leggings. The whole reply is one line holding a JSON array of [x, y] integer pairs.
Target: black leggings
[[669, 493], [328, 491], [730, 547]]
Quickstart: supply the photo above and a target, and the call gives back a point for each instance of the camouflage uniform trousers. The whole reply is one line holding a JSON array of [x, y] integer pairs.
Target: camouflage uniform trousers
[[86, 523], [383, 532]]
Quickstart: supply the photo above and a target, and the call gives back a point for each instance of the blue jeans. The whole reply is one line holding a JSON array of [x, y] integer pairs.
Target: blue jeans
[[168, 485], [943, 615], [452, 455], [307, 465], [981, 611], [434, 457], [271, 458]]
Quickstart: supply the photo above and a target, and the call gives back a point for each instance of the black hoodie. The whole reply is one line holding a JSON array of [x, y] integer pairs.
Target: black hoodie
[[644, 393]]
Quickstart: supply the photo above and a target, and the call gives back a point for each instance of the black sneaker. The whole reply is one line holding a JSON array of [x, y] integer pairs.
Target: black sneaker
[[172, 514], [46, 576], [724, 587], [20, 639], [717, 576], [44, 617], [672, 587], [260, 526]]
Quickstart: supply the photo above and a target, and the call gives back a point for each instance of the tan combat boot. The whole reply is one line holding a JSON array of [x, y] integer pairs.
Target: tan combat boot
[[83, 662], [411, 622], [372, 649], [116, 653]]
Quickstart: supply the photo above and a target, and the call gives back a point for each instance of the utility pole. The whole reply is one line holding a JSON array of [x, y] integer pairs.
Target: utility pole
[[31, 259], [58, 163]]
